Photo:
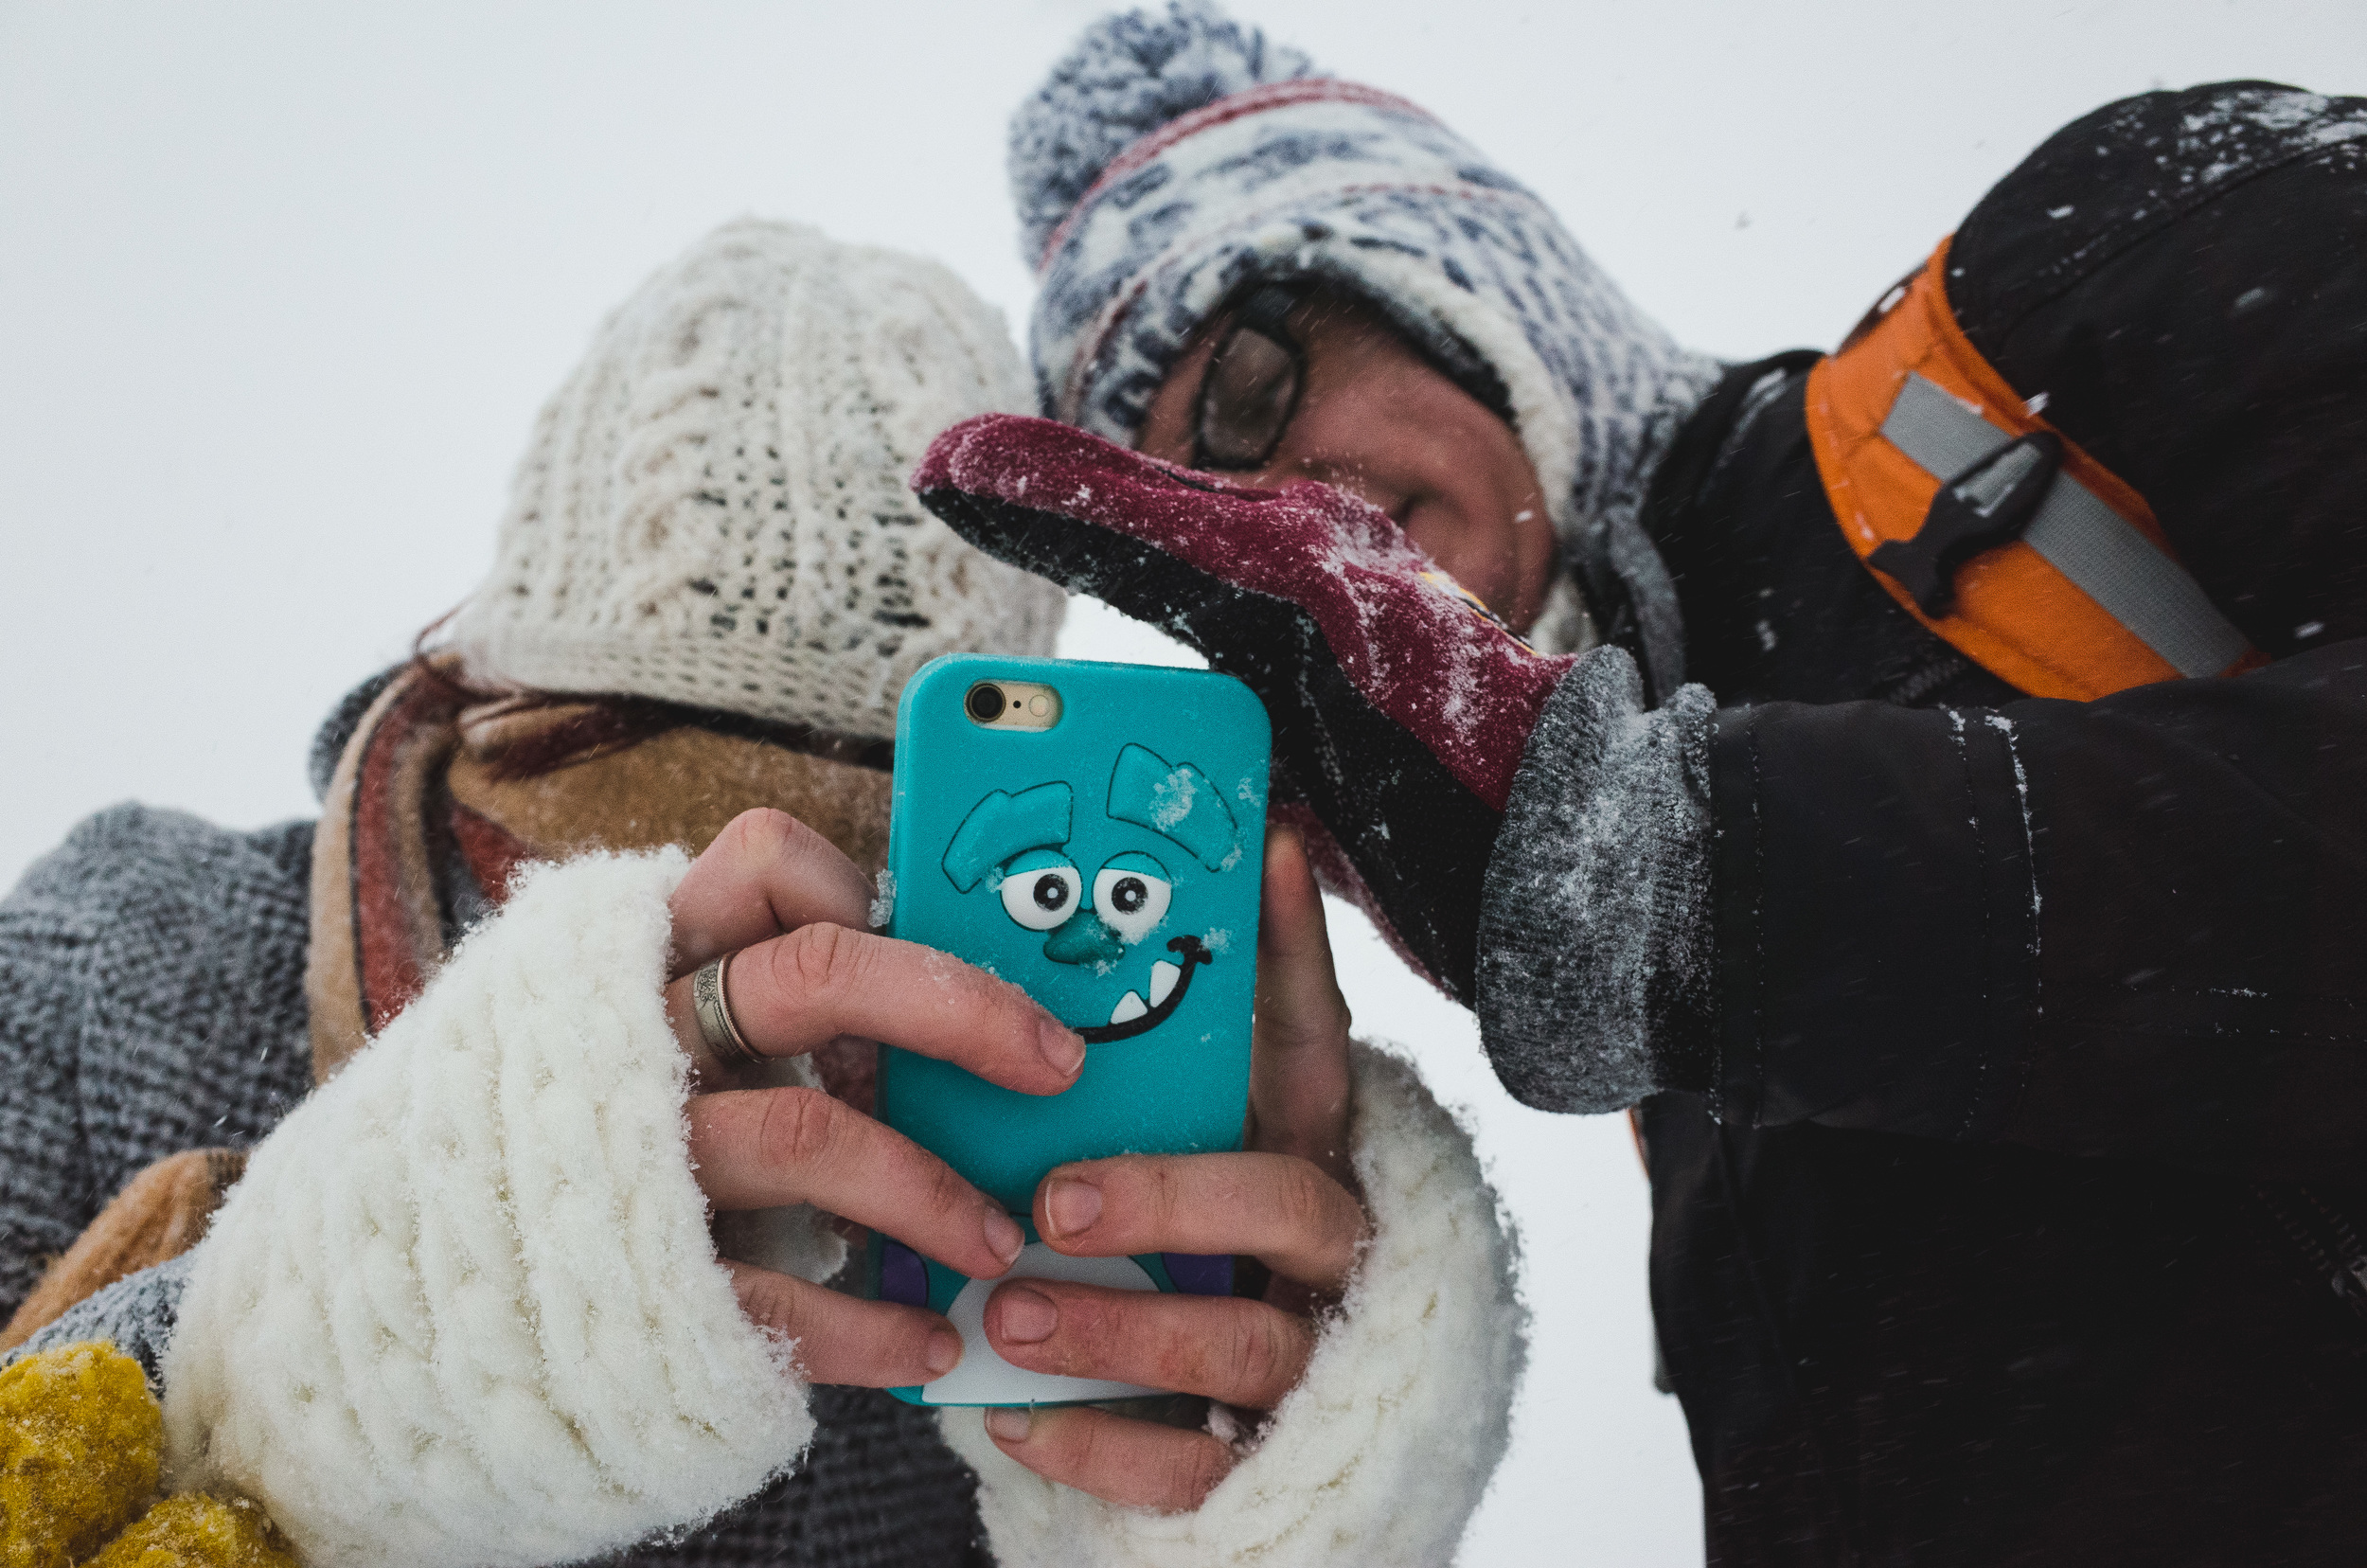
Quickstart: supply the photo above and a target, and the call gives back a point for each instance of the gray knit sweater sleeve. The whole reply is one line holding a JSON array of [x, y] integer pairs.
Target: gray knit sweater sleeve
[[1595, 921], [137, 1314], [152, 1001]]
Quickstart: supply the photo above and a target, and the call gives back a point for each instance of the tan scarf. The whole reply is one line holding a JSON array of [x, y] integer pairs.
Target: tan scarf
[[434, 778], [432, 774]]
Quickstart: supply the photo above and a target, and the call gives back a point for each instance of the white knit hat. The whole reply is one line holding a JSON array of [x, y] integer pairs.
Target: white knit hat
[[714, 511]]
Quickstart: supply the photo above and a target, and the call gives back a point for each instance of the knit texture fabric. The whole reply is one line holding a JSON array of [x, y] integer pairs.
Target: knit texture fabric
[[1171, 158], [877, 1485], [464, 1308], [136, 1315], [152, 1001], [1595, 941], [712, 509], [160, 1215]]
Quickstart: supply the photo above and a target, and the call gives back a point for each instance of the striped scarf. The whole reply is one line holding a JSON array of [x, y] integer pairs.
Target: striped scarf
[[440, 796]]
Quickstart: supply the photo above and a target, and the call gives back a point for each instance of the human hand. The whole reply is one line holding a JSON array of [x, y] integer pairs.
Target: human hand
[[1400, 708], [1287, 1200], [807, 974]]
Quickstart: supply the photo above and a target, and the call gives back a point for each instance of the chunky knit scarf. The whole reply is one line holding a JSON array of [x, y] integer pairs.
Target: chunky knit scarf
[[439, 797]]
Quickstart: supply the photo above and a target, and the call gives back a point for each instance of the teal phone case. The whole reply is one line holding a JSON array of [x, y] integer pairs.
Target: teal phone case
[[1110, 866]]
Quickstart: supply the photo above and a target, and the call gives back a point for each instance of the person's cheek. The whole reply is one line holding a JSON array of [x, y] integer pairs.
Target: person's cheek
[[1413, 453], [1467, 549]]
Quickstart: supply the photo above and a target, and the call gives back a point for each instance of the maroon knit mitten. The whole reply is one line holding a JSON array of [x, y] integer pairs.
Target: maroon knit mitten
[[1400, 706]]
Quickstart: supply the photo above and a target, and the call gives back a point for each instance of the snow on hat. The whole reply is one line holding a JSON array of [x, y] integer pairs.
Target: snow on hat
[[713, 509], [1174, 157]]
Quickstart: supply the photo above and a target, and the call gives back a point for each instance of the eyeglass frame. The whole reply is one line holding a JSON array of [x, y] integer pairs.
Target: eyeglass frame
[[1263, 311]]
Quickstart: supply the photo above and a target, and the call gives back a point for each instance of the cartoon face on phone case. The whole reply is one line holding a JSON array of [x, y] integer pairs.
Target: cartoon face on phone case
[[1116, 884], [1107, 864]]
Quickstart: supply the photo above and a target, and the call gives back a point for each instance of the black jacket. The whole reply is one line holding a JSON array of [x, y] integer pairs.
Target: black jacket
[[2039, 1026]]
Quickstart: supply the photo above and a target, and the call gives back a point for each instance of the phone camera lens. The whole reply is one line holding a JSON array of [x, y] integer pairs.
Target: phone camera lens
[[985, 701]]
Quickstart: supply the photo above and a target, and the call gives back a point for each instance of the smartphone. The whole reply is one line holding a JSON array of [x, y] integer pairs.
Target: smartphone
[[1093, 834]]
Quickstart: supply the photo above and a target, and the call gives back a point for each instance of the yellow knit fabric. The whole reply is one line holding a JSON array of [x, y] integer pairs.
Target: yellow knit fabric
[[197, 1531], [80, 1438]]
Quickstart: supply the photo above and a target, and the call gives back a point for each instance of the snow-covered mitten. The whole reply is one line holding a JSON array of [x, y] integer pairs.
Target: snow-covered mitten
[[1400, 707], [1595, 934]]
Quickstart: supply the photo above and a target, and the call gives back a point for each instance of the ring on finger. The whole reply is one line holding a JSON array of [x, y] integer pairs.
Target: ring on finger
[[712, 1003]]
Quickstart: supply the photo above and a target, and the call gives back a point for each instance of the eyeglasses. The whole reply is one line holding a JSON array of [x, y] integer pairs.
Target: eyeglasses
[[1252, 385]]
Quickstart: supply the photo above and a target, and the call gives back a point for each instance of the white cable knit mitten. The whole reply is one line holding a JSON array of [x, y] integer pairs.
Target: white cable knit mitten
[[464, 1308], [1385, 1448]]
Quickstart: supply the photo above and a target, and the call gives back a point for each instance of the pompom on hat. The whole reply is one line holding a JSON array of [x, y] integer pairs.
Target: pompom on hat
[[713, 508], [1174, 157]]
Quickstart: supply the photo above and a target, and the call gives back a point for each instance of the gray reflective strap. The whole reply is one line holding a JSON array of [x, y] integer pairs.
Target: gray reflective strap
[[2103, 555], [1943, 435]]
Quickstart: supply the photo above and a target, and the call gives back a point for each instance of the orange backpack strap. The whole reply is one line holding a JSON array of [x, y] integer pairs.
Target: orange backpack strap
[[1991, 527]]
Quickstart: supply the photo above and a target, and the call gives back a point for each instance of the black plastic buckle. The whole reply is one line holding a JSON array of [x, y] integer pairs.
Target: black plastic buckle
[[1987, 505]]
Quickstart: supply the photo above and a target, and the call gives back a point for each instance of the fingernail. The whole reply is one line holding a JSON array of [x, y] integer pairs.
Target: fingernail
[[1027, 1317], [1061, 1045], [945, 1348], [1070, 1205], [1004, 1236], [1010, 1423]]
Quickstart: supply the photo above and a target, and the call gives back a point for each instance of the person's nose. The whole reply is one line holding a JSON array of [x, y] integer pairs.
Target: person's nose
[[1084, 937]]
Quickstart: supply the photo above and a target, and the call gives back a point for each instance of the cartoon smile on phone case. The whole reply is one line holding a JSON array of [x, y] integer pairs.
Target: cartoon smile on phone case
[[1098, 892]]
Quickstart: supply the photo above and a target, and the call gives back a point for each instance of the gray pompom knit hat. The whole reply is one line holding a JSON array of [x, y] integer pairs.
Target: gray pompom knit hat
[[1174, 157], [713, 509]]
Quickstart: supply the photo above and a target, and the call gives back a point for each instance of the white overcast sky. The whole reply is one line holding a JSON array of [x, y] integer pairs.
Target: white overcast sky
[[282, 286]]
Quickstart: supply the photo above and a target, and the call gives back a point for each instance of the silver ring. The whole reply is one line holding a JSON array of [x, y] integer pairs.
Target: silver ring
[[716, 1024]]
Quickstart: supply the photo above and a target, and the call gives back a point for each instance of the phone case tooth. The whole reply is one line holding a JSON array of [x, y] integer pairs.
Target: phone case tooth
[[1161, 981], [1131, 1006]]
